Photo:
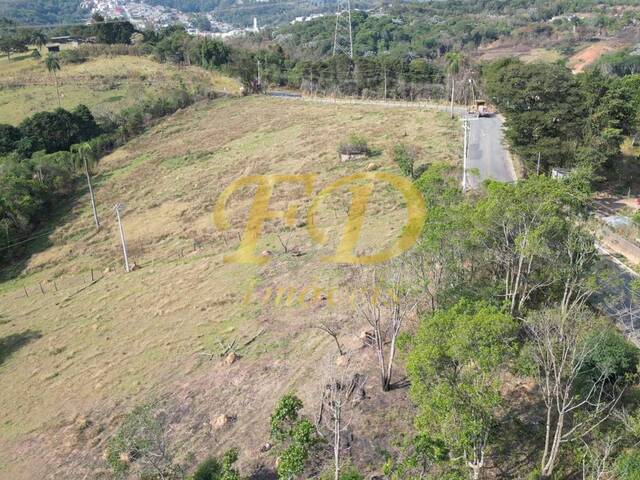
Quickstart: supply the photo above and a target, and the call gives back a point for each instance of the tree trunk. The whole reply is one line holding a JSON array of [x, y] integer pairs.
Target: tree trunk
[[453, 92], [57, 89]]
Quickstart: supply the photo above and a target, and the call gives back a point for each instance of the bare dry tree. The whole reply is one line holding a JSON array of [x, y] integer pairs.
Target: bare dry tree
[[560, 353], [596, 461], [385, 302], [332, 328], [341, 388]]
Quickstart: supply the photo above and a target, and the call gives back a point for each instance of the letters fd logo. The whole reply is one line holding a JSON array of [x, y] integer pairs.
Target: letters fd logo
[[360, 185]]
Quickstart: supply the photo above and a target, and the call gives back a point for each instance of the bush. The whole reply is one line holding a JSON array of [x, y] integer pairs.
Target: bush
[[354, 145], [611, 355], [213, 469], [405, 157], [73, 55], [628, 466], [140, 445], [9, 137], [351, 474]]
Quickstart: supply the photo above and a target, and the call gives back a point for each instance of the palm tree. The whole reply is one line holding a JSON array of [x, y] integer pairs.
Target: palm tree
[[53, 65], [83, 154], [454, 60], [39, 39]]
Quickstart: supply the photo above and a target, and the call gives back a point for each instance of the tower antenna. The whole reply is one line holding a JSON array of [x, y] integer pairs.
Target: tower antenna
[[343, 36]]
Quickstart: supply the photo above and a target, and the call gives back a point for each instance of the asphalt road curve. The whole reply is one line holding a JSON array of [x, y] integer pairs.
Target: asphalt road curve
[[488, 157]]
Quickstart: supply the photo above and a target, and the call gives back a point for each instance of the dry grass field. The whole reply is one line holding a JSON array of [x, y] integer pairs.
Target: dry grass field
[[104, 84], [76, 358]]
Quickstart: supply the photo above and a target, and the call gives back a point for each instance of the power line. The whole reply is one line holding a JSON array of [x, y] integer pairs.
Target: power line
[[60, 25]]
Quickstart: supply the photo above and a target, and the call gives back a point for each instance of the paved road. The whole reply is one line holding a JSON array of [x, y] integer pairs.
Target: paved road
[[488, 157]]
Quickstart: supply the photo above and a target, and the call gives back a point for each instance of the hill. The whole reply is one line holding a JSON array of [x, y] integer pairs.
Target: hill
[[42, 11], [76, 358], [106, 84]]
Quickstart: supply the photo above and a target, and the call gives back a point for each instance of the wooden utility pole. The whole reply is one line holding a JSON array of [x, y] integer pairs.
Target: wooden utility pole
[[466, 127], [119, 208], [93, 198], [453, 93], [385, 83]]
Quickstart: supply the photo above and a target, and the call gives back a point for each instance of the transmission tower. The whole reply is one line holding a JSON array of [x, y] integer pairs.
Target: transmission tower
[[343, 37]]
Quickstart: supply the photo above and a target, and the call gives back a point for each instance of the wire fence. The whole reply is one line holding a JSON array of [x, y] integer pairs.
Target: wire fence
[[141, 255]]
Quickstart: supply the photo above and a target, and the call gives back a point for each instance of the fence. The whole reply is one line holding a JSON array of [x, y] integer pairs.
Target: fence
[[140, 256]]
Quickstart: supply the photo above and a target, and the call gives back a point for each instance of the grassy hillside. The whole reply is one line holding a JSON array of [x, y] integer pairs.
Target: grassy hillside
[[104, 84], [73, 361]]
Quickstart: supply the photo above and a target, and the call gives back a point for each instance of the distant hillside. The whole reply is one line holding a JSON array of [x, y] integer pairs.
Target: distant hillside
[[36, 12]]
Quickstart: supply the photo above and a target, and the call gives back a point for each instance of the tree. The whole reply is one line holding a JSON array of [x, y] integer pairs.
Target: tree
[[84, 153], [39, 39], [141, 444], [213, 469], [112, 31], [454, 366], [339, 385], [53, 67], [295, 435], [454, 61], [578, 391], [531, 232], [384, 303], [9, 136], [11, 43]]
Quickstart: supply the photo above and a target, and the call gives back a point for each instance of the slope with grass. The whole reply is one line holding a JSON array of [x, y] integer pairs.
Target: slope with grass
[[104, 84], [75, 360]]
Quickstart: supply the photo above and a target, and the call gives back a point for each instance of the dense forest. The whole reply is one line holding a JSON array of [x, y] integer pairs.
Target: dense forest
[[41, 12]]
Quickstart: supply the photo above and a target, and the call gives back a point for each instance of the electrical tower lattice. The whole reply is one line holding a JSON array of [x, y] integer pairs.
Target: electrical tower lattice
[[343, 36]]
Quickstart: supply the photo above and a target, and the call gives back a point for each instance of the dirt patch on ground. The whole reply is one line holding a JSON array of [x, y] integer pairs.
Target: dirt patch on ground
[[584, 58]]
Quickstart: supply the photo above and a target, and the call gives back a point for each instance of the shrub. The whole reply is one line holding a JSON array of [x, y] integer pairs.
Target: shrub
[[213, 469], [354, 145], [140, 445], [405, 158], [351, 474], [610, 355], [628, 466], [296, 436], [9, 137]]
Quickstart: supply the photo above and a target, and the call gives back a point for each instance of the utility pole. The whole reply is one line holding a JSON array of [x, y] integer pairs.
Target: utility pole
[[466, 127], [538, 166], [119, 208], [93, 198], [343, 35], [453, 92]]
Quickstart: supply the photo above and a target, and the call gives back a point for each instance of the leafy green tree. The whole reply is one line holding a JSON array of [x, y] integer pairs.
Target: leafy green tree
[[39, 39], [454, 366], [53, 67], [295, 435], [454, 62], [58, 130], [112, 31], [11, 43], [9, 136], [213, 469], [423, 452]]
